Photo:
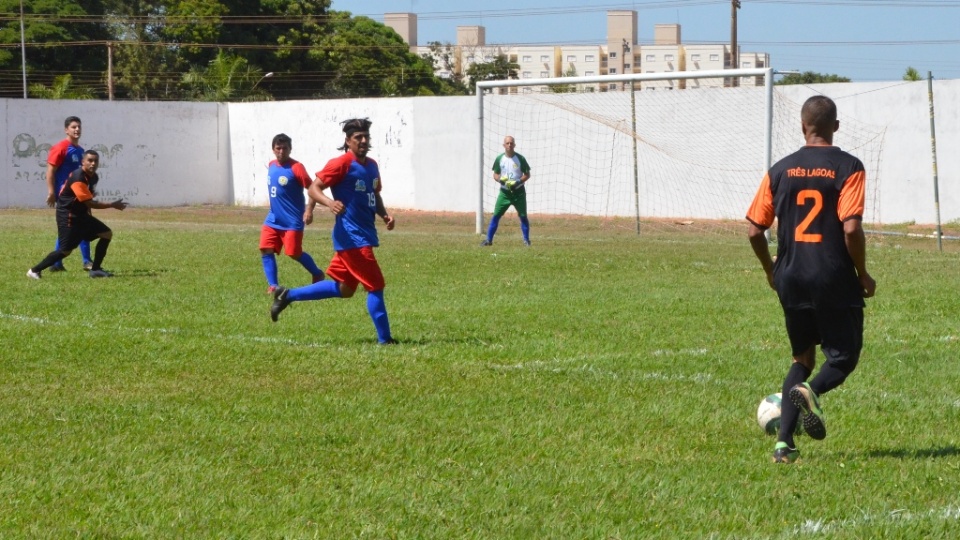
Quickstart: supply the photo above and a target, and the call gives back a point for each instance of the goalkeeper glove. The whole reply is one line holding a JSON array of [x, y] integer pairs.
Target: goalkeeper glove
[[517, 184], [509, 184]]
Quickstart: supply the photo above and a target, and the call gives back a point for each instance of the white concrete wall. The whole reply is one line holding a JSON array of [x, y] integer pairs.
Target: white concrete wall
[[151, 154], [165, 154], [905, 180]]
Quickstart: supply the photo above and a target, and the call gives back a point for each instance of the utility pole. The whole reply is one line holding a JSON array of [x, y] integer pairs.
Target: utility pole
[[110, 70], [23, 52], [734, 52]]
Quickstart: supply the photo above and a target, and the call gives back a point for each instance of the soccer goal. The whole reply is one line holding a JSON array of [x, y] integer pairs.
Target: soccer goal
[[678, 149]]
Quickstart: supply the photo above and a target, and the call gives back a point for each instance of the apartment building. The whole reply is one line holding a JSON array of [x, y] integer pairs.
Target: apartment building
[[620, 54]]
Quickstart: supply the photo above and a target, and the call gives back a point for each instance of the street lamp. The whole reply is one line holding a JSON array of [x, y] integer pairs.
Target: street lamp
[[265, 76]]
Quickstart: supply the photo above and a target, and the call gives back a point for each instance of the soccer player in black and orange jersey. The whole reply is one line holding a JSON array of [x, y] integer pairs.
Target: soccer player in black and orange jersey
[[75, 223], [820, 272]]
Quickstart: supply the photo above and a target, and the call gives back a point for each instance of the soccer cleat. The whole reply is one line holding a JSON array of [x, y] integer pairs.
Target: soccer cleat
[[784, 454], [280, 302], [526, 242], [486, 243], [390, 341], [100, 273], [88, 266], [33, 275], [58, 268], [811, 414], [318, 278]]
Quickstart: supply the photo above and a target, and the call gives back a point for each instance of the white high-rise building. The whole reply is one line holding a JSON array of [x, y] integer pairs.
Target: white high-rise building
[[620, 54]]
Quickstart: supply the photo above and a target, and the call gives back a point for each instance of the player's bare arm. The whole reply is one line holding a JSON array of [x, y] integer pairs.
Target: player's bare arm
[[308, 213], [316, 194], [118, 204], [758, 241], [384, 215], [51, 185], [857, 247]]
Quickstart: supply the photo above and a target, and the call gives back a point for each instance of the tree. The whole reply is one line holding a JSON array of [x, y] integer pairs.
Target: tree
[[500, 68], [443, 57], [809, 77], [367, 59], [227, 78], [62, 88], [46, 37], [565, 88], [911, 74]]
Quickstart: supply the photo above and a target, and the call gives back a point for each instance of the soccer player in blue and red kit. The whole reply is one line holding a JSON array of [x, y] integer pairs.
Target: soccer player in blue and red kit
[[289, 213], [816, 195], [354, 181], [64, 158]]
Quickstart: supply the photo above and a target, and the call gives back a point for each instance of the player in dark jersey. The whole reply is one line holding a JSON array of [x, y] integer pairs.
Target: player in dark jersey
[[74, 220], [64, 158], [820, 272], [289, 213], [354, 181]]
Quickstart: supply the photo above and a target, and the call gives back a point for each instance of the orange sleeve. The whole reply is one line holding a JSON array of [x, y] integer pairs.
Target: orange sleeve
[[761, 209], [82, 191], [852, 197], [335, 169]]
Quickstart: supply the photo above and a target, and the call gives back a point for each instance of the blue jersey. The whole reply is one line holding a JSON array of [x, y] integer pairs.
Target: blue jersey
[[355, 185], [65, 158], [285, 184]]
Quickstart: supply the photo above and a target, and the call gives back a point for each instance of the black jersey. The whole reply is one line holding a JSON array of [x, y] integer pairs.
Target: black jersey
[[77, 189], [812, 192]]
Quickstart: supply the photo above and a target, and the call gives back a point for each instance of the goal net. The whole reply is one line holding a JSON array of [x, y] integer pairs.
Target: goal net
[[654, 151]]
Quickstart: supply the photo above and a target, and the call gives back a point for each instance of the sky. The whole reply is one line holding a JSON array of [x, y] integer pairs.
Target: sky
[[863, 40]]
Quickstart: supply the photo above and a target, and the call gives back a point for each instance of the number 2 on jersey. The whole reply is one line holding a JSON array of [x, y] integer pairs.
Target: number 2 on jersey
[[801, 234]]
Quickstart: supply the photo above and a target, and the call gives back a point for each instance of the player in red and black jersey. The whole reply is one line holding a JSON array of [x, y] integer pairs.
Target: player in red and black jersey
[[75, 223], [820, 272]]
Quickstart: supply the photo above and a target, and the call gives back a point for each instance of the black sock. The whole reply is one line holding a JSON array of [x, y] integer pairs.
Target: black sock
[[789, 414], [100, 253], [51, 259]]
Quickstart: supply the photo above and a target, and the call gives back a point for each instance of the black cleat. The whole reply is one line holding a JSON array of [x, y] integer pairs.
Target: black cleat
[[486, 243], [280, 302], [811, 415], [390, 341]]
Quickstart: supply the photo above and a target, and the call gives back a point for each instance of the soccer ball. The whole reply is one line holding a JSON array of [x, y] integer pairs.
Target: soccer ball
[[768, 414]]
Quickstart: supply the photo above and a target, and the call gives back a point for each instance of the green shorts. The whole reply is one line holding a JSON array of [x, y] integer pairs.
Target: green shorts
[[506, 199]]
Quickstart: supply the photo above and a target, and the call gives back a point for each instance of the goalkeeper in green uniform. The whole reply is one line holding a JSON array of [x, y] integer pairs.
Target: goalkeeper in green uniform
[[511, 171]]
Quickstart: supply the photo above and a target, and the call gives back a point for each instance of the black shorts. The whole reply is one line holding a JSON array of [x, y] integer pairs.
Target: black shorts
[[839, 332], [74, 230]]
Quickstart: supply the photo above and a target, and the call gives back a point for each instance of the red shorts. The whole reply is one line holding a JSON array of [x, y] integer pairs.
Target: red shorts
[[291, 241], [357, 266]]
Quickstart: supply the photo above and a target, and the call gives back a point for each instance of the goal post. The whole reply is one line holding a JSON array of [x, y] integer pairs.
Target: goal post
[[634, 149]]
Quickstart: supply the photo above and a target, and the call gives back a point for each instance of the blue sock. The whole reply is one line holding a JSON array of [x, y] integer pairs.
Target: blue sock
[[85, 251], [270, 268], [378, 312], [318, 291], [525, 228], [307, 261], [492, 229]]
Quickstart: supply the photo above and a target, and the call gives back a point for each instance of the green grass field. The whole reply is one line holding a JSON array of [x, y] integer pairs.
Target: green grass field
[[597, 385]]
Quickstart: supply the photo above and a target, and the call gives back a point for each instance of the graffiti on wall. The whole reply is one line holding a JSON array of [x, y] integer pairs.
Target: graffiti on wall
[[30, 165]]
